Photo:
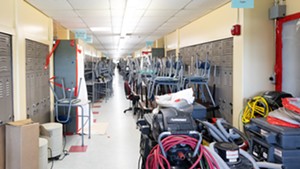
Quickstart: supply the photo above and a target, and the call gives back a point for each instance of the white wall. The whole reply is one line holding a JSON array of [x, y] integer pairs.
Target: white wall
[[259, 48], [213, 26], [171, 41], [293, 6], [254, 50]]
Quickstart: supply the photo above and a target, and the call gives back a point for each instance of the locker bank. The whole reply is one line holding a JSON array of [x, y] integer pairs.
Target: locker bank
[[149, 84]]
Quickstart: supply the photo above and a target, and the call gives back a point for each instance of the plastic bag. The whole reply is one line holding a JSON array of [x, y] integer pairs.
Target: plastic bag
[[285, 115], [170, 100], [292, 104], [278, 122]]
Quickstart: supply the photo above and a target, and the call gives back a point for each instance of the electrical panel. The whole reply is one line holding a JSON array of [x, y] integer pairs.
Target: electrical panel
[[6, 95], [220, 55], [37, 85]]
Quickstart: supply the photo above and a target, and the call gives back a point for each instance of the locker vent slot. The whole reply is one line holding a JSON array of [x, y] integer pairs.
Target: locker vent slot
[[1, 89]]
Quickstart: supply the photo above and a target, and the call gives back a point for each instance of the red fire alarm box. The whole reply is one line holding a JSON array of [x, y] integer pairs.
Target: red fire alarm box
[[236, 30]]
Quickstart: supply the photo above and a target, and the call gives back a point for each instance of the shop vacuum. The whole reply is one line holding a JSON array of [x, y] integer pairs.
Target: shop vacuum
[[178, 121], [175, 121]]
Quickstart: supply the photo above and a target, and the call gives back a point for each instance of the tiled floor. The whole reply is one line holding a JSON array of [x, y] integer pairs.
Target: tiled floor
[[118, 148]]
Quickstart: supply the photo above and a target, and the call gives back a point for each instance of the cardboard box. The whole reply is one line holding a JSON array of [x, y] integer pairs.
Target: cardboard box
[[2, 146], [22, 145]]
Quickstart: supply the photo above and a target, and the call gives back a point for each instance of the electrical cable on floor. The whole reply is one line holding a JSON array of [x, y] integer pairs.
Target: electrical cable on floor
[[65, 152], [51, 156]]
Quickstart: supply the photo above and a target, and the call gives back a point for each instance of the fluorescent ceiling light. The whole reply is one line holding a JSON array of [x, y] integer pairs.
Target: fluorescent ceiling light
[[100, 29]]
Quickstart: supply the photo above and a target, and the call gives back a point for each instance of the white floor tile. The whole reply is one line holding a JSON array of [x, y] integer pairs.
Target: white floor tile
[[118, 148]]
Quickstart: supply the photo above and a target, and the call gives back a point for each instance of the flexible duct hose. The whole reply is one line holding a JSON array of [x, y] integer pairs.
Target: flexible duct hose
[[220, 161], [249, 157], [214, 129], [229, 136], [269, 165]]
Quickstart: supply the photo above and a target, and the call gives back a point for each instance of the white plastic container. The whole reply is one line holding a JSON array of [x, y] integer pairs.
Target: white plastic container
[[54, 134], [43, 153]]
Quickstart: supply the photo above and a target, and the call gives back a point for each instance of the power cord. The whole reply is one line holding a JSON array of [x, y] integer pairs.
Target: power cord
[[52, 161], [65, 152], [256, 107]]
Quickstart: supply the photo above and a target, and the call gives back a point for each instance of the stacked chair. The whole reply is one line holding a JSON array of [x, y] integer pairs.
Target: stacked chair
[[200, 78]]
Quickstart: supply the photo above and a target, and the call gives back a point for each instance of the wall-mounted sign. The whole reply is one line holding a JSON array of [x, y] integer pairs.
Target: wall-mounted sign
[[80, 34], [242, 3], [89, 39], [149, 43]]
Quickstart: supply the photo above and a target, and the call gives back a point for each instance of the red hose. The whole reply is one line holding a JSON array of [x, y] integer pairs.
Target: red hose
[[156, 160]]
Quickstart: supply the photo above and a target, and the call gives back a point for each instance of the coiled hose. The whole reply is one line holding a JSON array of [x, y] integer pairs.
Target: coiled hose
[[156, 160], [256, 107]]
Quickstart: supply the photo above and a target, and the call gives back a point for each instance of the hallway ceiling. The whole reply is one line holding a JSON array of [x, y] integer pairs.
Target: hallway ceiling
[[120, 27]]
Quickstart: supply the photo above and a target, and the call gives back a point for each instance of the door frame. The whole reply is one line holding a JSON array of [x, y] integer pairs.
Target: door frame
[[278, 64]]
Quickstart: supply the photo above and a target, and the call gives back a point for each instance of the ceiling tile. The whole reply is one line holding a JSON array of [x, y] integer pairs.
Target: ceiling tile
[[97, 22], [117, 12], [138, 4], [197, 4], [117, 21], [117, 4], [144, 30], [94, 13], [134, 14], [90, 4], [158, 13], [96, 19], [205, 4], [117, 30], [153, 20], [50, 4], [181, 20], [105, 38], [167, 4], [101, 25], [60, 13], [144, 19]]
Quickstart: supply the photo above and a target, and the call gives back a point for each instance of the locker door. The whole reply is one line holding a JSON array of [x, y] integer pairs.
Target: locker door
[[38, 92], [6, 99]]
